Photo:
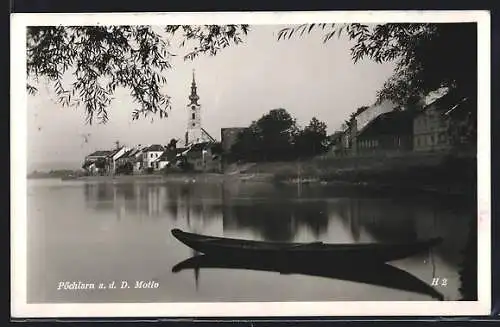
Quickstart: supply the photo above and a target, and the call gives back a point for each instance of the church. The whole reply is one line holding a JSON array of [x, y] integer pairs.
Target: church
[[201, 149], [195, 133]]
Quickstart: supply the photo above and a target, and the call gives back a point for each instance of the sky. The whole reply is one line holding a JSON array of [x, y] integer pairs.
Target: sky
[[237, 86]]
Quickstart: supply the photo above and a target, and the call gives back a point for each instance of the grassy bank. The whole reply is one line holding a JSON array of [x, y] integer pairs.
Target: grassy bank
[[432, 172]]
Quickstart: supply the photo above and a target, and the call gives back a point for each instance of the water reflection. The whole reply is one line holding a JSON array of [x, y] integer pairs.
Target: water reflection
[[265, 212], [120, 230], [375, 274], [268, 214]]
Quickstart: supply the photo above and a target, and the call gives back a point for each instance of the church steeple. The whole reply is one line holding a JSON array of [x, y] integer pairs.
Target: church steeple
[[193, 97], [194, 133]]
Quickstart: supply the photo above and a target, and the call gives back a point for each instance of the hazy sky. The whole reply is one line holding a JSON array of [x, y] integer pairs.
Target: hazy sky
[[239, 85]]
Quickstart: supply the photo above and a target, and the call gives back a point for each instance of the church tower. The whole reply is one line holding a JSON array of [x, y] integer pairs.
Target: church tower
[[194, 131]]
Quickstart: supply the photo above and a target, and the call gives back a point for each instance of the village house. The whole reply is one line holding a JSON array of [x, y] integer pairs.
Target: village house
[[204, 157], [125, 163], [336, 143], [114, 156], [171, 157], [150, 154], [96, 163], [387, 133], [432, 125]]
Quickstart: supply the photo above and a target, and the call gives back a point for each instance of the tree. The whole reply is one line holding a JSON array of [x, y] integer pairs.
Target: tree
[[427, 56], [312, 140], [99, 59], [277, 131], [172, 145], [269, 138]]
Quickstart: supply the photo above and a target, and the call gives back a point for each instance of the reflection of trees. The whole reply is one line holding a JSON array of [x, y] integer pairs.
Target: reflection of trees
[[384, 220], [277, 215], [401, 220], [278, 220]]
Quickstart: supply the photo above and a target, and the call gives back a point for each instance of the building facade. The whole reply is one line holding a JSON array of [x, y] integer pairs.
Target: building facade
[[389, 132], [431, 127], [150, 156]]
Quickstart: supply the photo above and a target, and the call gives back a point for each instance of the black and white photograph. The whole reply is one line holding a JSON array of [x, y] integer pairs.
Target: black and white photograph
[[250, 164]]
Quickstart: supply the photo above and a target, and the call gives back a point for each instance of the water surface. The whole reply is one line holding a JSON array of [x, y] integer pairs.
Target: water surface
[[100, 232]]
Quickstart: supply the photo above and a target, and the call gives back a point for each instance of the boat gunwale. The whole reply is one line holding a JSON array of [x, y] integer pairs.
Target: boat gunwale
[[242, 244]]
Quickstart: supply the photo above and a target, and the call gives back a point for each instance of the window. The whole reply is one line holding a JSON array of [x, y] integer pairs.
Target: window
[[152, 154], [193, 115], [193, 107], [193, 124]]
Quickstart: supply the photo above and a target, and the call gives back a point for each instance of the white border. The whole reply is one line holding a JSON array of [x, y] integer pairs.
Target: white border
[[19, 307]]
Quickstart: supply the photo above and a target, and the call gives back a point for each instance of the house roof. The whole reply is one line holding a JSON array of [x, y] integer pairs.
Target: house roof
[[155, 147], [133, 152], [198, 147], [392, 122], [170, 154], [100, 153], [448, 103], [207, 135], [126, 154]]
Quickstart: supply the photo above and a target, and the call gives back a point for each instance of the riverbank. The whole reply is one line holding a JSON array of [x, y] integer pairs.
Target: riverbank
[[182, 178], [425, 173], [448, 174]]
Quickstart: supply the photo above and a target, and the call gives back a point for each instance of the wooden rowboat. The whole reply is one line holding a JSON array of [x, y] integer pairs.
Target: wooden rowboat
[[302, 252], [378, 274]]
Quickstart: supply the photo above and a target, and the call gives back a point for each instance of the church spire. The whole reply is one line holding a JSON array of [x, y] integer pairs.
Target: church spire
[[194, 95]]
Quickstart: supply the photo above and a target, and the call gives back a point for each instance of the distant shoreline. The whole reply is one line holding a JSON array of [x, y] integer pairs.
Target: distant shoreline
[[201, 178], [432, 173]]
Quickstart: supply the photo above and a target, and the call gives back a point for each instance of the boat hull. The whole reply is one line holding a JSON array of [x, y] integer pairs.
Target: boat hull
[[236, 249]]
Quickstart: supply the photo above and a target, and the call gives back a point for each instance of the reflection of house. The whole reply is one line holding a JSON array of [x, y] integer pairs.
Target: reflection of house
[[390, 131]]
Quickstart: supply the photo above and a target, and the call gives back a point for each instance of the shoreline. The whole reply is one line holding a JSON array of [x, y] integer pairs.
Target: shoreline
[[432, 173], [339, 181]]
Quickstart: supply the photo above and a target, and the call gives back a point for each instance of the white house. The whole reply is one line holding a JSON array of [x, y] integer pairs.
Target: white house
[[115, 155], [150, 154]]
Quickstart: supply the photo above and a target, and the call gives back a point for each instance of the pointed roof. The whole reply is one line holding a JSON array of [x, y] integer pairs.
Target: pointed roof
[[193, 97], [392, 122]]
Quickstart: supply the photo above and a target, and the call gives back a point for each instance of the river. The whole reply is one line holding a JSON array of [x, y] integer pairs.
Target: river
[[98, 232]]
